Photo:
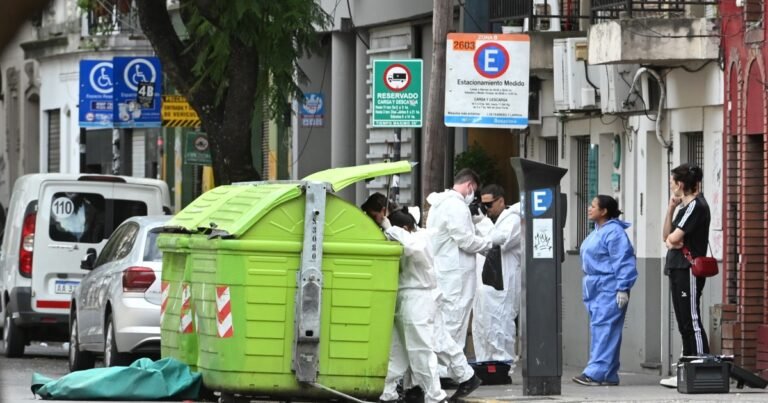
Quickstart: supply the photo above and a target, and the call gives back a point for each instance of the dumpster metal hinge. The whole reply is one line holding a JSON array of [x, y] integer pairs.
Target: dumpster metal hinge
[[309, 281]]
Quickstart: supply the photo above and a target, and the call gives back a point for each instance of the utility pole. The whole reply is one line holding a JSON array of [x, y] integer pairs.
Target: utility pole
[[435, 131]]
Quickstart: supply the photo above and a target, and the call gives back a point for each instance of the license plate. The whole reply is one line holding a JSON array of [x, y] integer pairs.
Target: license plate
[[65, 286]]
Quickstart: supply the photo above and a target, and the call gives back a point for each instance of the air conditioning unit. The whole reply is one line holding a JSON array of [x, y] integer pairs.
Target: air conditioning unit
[[575, 81], [615, 82]]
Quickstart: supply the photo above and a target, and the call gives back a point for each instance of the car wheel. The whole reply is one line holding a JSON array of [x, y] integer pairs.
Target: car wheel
[[13, 337], [112, 357], [78, 360]]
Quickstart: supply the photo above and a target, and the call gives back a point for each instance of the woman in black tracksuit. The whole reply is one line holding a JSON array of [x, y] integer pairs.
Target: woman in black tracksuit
[[689, 227]]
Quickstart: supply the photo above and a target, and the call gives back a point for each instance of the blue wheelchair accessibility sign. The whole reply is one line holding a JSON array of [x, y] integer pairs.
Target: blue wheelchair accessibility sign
[[137, 78], [96, 88]]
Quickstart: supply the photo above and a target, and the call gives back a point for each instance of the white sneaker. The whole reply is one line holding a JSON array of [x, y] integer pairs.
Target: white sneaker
[[670, 382]]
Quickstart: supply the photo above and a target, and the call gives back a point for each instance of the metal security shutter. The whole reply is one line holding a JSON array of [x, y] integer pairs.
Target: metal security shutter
[[550, 150], [582, 183], [138, 154], [54, 140], [391, 43], [265, 122]]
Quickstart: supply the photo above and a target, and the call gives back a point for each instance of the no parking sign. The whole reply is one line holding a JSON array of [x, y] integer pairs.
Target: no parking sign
[[486, 80]]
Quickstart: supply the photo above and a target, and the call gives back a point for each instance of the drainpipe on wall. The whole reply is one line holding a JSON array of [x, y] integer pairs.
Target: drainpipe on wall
[[664, 143]]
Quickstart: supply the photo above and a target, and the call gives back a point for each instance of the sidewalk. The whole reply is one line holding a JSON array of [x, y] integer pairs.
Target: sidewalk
[[634, 388]]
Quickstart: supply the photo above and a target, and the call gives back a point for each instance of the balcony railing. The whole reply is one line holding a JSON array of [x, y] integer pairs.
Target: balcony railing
[[112, 17], [613, 9], [542, 15]]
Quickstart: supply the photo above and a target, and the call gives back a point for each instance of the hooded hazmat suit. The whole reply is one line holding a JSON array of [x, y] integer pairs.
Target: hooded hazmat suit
[[418, 329], [609, 265], [493, 319], [454, 244]]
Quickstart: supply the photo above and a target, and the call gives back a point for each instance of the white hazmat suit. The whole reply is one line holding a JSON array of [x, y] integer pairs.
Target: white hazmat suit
[[493, 320], [454, 244], [418, 329]]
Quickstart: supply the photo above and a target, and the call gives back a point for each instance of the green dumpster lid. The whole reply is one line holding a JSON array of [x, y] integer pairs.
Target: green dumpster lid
[[230, 210], [339, 178]]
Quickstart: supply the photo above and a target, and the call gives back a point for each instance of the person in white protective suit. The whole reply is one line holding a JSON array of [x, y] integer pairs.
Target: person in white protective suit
[[455, 244], [417, 325], [494, 332]]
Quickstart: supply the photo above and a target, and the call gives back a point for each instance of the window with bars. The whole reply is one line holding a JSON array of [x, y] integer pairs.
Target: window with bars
[[694, 148], [550, 150], [753, 13], [583, 191], [692, 145]]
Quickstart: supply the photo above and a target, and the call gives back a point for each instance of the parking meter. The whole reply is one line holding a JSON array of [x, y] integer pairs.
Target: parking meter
[[542, 245]]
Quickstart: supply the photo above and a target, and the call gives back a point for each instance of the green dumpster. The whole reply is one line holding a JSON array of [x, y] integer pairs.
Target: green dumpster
[[175, 276], [292, 288]]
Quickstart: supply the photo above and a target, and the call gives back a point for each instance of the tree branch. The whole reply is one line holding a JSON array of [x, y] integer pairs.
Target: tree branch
[[177, 63]]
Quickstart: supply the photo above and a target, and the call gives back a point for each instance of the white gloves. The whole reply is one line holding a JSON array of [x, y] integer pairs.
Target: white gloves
[[385, 224], [622, 298], [477, 218], [498, 238]]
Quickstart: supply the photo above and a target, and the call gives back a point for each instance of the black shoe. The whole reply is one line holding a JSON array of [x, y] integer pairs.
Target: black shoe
[[585, 380], [414, 395], [448, 383], [466, 387]]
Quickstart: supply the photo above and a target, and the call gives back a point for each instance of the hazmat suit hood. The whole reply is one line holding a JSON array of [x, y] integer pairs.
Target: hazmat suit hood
[[436, 198], [615, 221]]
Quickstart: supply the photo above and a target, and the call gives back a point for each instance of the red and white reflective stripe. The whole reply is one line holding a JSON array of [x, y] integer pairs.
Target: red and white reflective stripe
[[186, 324], [223, 313], [163, 299]]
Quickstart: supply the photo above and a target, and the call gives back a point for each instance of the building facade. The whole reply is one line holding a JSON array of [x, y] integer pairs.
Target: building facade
[[619, 95], [745, 314]]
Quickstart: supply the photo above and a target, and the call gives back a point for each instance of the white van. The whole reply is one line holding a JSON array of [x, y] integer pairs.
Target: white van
[[52, 220]]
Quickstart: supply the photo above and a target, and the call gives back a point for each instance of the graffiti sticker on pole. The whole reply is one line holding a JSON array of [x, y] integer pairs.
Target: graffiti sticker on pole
[[486, 80], [397, 93]]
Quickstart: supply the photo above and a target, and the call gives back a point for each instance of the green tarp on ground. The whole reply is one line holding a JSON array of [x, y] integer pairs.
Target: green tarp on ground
[[143, 380]]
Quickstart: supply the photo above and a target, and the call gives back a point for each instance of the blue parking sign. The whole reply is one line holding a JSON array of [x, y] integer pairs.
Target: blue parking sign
[[96, 89], [137, 78], [541, 201]]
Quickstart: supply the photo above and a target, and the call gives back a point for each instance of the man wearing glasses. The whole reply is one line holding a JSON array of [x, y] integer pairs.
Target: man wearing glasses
[[497, 304]]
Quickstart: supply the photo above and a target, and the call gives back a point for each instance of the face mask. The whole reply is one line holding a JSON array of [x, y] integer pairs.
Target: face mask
[[469, 197]]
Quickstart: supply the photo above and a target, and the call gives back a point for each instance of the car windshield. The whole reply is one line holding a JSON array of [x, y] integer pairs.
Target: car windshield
[[151, 252]]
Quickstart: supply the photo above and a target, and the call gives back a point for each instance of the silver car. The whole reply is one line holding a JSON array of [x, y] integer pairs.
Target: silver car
[[115, 311]]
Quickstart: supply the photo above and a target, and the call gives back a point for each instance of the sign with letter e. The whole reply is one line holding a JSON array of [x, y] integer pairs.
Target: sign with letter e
[[486, 80], [541, 200], [397, 93]]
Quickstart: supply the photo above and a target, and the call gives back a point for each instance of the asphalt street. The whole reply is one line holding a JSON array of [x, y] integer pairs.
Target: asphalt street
[[51, 360]]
